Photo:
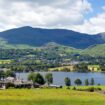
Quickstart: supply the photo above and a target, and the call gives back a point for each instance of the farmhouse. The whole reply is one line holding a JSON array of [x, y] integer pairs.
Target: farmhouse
[[14, 82], [94, 68]]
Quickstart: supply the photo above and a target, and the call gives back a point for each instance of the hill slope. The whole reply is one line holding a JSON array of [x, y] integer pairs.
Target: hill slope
[[38, 37], [59, 49], [96, 50]]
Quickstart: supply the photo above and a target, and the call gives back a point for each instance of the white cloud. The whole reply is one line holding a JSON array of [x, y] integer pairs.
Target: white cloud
[[92, 26], [43, 13]]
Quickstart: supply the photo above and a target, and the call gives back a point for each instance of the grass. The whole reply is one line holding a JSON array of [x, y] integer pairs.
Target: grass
[[5, 61], [50, 97], [69, 68]]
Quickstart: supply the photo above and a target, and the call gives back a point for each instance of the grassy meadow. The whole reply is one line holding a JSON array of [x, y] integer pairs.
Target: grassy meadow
[[50, 97], [5, 61]]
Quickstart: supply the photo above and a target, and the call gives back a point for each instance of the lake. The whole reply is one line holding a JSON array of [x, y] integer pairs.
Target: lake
[[58, 77]]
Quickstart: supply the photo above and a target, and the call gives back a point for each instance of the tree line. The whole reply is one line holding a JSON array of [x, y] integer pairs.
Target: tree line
[[78, 81], [38, 78]]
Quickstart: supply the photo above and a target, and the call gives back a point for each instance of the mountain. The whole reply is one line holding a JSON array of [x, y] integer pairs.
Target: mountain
[[38, 37], [96, 50]]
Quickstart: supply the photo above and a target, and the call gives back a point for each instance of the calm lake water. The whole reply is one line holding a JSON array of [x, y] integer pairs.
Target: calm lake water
[[58, 77]]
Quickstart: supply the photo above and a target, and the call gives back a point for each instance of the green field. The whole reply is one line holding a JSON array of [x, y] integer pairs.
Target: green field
[[5, 61], [50, 97]]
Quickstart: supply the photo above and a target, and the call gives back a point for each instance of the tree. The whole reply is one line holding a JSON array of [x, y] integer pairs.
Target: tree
[[67, 81], [49, 78], [78, 82], [31, 76], [36, 78], [92, 81], [2, 74], [86, 82], [82, 67], [10, 73]]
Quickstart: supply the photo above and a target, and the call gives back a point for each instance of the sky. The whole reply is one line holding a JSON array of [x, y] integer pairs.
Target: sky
[[86, 16]]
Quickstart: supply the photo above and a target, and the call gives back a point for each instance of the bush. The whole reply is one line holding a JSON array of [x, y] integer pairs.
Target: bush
[[74, 88], [9, 85], [98, 88], [67, 87], [78, 82], [91, 89]]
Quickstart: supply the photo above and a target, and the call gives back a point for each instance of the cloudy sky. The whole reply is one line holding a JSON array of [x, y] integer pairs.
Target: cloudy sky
[[87, 16]]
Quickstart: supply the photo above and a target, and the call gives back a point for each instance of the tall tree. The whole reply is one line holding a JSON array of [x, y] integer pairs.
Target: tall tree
[[92, 81], [67, 81], [86, 82], [49, 78], [36, 78]]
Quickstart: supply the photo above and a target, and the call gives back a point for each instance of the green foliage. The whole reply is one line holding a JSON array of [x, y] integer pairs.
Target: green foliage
[[49, 56], [82, 67], [78, 82], [90, 89], [10, 85], [74, 88], [10, 73], [92, 81], [49, 78], [67, 81], [36, 78], [2, 74], [86, 82]]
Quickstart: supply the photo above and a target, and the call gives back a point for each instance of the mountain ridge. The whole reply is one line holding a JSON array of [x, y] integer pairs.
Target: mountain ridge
[[39, 36]]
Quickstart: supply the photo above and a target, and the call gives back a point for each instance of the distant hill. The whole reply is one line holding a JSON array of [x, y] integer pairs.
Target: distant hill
[[96, 50], [37, 37], [5, 45], [60, 49], [55, 48]]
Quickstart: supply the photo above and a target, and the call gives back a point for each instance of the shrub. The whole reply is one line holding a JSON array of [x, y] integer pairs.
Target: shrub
[[9, 85], [91, 89], [78, 82], [67, 87], [74, 88]]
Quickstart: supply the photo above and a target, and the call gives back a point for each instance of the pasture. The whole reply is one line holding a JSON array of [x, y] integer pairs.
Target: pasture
[[5, 61], [50, 97]]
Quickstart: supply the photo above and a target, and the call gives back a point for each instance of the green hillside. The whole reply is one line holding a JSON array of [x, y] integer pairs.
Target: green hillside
[[5, 45], [54, 48], [60, 49], [96, 50]]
